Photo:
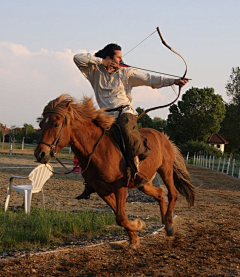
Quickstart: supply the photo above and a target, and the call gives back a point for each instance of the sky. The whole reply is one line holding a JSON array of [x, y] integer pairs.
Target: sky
[[38, 40]]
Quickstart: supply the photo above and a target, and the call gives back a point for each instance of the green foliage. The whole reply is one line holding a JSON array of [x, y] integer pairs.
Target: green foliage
[[159, 124], [147, 122], [195, 147], [27, 132], [45, 228], [195, 117], [233, 86], [230, 128]]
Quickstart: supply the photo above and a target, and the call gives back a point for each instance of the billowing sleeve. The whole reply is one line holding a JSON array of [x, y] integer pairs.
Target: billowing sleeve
[[140, 78], [85, 62]]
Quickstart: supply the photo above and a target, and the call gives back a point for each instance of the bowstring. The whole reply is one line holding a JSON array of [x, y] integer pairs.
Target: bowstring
[[139, 43]]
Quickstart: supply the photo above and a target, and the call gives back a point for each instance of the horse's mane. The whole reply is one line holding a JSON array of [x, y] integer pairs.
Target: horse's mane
[[77, 110]]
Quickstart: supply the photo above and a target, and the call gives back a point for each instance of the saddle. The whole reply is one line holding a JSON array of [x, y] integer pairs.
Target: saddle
[[116, 133]]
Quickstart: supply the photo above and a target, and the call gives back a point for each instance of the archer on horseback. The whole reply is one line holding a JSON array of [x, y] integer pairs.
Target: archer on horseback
[[112, 85]]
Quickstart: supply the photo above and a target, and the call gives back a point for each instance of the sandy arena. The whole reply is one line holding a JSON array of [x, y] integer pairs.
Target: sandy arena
[[207, 240]]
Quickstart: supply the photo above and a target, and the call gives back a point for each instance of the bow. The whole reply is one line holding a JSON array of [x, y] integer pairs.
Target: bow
[[170, 48]]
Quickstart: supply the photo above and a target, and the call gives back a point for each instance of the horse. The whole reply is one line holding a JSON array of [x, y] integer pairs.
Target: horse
[[78, 123]]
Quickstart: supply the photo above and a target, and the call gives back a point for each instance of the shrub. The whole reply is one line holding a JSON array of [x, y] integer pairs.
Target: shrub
[[193, 147]]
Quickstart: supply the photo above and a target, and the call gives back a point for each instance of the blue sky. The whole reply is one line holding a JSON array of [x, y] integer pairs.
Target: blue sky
[[39, 38]]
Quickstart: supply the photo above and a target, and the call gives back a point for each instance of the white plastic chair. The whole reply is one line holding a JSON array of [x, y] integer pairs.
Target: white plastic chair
[[38, 178]]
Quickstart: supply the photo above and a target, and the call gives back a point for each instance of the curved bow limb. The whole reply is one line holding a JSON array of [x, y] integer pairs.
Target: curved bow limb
[[170, 48], [185, 72]]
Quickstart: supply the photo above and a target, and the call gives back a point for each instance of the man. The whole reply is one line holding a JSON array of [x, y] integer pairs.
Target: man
[[112, 85]]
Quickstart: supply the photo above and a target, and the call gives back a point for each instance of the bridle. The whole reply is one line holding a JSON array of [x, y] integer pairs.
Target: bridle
[[54, 145]]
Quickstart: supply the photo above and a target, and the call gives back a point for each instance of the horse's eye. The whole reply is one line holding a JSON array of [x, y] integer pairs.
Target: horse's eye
[[56, 125]]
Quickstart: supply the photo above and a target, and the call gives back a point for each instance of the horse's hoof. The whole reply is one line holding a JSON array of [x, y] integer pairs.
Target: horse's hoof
[[170, 232], [133, 247], [141, 223]]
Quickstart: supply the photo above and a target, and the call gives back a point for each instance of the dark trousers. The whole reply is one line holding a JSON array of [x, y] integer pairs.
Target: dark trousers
[[136, 145]]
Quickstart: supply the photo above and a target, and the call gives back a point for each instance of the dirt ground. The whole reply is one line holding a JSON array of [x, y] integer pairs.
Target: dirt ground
[[207, 240]]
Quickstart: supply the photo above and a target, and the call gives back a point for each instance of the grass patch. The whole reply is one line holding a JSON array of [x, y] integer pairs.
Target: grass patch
[[153, 219], [50, 227]]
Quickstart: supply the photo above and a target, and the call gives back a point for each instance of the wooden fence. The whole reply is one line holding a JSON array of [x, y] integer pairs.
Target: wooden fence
[[222, 164]]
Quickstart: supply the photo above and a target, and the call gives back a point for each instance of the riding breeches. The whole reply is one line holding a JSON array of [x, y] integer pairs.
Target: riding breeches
[[135, 143]]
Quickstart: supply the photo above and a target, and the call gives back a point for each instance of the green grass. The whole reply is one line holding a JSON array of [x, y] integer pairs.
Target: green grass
[[49, 228]]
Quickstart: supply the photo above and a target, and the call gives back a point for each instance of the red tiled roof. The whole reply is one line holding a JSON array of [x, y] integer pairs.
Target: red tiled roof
[[4, 129], [216, 138]]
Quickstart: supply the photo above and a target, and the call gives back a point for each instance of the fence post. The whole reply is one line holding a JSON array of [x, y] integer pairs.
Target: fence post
[[23, 143], [219, 162], [213, 161], [187, 158], [233, 165], [11, 148], [209, 165], [194, 157], [224, 161], [228, 165]]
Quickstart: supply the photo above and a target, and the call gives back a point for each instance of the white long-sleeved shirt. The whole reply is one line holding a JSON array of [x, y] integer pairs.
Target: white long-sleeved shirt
[[114, 90]]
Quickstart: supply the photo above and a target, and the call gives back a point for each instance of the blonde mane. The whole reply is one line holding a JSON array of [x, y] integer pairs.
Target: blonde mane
[[82, 111]]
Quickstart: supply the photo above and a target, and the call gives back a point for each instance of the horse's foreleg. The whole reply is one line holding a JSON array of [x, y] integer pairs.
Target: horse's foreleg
[[133, 237], [167, 177], [122, 220], [157, 193], [121, 217]]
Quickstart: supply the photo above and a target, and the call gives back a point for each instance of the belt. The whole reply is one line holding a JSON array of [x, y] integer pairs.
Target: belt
[[119, 109]]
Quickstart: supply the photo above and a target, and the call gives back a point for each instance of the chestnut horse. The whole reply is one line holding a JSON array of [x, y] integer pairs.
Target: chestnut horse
[[86, 129]]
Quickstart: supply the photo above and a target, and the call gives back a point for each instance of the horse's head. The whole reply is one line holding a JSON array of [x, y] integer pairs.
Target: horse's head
[[59, 115], [55, 135]]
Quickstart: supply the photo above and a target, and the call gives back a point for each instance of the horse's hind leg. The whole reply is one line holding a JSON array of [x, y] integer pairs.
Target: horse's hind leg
[[157, 193], [133, 237], [167, 177]]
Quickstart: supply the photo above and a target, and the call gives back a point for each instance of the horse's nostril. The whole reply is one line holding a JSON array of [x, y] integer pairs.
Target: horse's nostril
[[42, 154]]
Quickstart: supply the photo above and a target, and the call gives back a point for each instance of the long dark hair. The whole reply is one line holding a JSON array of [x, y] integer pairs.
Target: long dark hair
[[108, 50]]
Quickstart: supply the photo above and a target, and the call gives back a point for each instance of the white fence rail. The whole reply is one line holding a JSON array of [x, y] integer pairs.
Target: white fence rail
[[221, 164]]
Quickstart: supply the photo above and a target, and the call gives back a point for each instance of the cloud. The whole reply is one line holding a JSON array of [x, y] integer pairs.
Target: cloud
[[30, 79]]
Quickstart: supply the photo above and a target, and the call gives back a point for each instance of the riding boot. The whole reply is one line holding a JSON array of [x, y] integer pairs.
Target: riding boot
[[86, 193], [138, 178]]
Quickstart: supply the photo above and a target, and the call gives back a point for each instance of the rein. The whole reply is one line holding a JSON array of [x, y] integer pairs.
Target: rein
[[56, 142]]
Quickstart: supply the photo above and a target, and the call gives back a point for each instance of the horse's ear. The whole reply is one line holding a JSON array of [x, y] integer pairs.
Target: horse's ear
[[69, 105]]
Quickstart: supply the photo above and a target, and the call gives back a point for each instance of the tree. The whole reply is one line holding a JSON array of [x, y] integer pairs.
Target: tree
[[233, 86], [195, 117], [159, 124], [230, 128], [145, 121], [27, 132]]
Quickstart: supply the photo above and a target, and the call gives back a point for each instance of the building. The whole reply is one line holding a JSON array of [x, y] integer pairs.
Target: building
[[217, 141]]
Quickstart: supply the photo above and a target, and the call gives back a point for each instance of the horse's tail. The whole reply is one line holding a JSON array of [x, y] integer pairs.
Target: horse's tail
[[181, 176]]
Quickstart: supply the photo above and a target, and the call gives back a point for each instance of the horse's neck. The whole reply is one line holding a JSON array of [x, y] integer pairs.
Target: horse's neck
[[85, 136]]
